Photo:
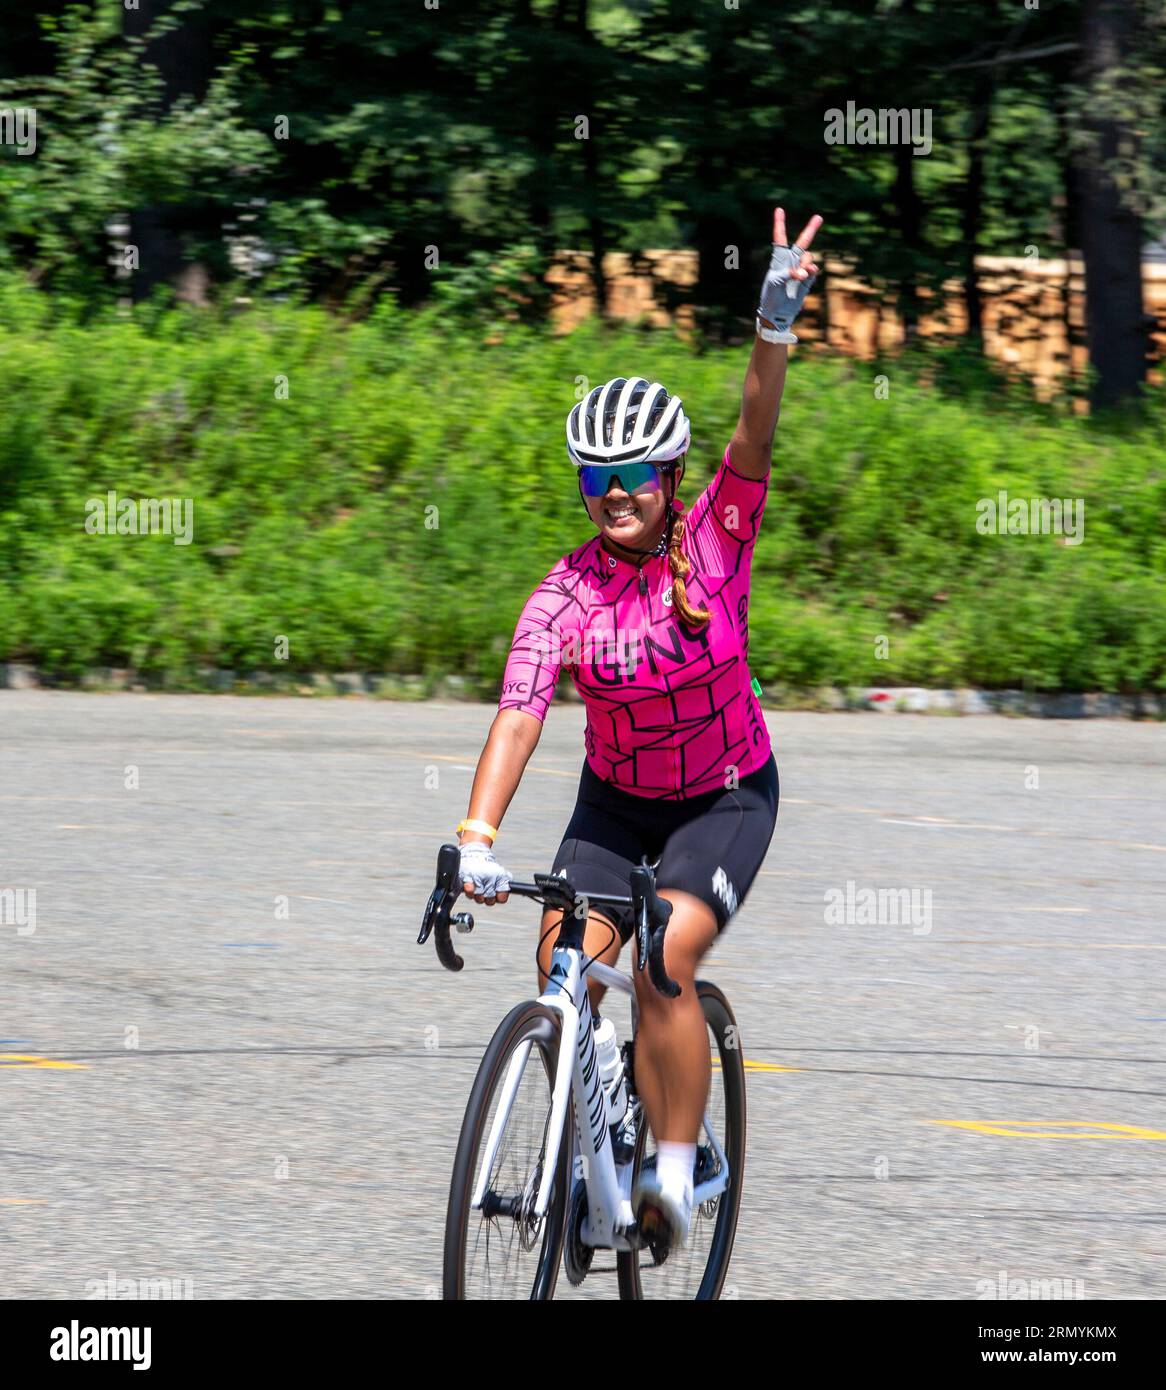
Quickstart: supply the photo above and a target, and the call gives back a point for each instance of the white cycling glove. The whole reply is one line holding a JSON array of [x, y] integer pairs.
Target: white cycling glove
[[782, 296], [479, 867]]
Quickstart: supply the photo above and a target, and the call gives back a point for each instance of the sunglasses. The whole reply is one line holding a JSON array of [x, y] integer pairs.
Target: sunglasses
[[596, 478]]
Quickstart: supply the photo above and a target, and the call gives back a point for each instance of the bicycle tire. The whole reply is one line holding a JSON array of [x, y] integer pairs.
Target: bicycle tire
[[543, 1027], [719, 1017]]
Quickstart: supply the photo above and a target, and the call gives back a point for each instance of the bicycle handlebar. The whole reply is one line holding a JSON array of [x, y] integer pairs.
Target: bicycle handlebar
[[650, 910], [437, 909]]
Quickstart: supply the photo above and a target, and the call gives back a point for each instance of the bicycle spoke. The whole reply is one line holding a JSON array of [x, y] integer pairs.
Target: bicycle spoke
[[503, 1248], [680, 1276]]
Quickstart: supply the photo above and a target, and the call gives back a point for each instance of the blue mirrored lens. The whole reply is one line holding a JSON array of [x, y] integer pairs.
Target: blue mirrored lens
[[596, 479]]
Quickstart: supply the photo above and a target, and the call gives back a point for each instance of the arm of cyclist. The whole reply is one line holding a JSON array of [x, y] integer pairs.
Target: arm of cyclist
[[513, 737], [791, 275], [528, 683]]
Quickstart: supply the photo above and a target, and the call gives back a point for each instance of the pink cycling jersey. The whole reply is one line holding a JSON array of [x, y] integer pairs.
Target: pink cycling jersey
[[670, 709]]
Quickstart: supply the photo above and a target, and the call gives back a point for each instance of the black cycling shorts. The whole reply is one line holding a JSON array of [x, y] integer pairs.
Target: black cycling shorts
[[709, 845]]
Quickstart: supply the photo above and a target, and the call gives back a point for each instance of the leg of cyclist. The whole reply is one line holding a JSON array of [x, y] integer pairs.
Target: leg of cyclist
[[672, 1071], [672, 1049], [714, 859]]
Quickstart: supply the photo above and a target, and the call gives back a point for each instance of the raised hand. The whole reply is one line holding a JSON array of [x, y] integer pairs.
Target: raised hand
[[791, 275]]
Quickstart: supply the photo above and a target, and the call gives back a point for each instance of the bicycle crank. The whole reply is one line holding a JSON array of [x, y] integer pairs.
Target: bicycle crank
[[577, 1255]]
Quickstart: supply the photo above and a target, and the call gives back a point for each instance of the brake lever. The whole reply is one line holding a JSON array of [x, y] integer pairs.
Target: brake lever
[[660, 977], [437, 910], [652, 914]]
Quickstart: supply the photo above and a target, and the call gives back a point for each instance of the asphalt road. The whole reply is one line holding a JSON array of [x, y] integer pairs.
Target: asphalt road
[[197, 1085]]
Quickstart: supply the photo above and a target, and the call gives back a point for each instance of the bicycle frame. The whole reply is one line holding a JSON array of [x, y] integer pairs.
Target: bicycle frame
[[609, 1222], [609, 1217]]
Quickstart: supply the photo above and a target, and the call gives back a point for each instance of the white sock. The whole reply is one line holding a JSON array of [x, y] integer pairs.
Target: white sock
[[674, 1163]]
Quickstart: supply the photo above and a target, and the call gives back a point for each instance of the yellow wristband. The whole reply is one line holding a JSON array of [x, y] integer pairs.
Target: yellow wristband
[[480, 826]]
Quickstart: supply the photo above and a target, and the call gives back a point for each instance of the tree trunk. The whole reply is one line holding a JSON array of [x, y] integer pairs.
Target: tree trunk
[[595, 226], [723, 292], [592, 183], [1070, 222], [1111, 232], [909, 219], [541, 116], [184, 61], [973, 199], [909, 215]]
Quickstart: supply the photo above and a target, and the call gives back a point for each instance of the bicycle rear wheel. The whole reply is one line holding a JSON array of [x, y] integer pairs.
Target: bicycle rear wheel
[[501, 1251], [697, 1269]]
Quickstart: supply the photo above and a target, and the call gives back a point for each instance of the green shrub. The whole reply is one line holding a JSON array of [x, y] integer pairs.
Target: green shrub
[[396, 509]]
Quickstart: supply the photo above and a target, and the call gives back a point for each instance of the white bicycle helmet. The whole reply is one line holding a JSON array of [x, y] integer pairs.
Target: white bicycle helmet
[[627, 420]]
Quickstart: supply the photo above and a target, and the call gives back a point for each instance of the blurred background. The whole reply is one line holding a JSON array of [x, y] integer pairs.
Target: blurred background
[[294, 301], [327, 278]]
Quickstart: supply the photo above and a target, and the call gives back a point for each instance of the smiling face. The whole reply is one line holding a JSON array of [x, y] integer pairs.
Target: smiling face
[[633, 519]]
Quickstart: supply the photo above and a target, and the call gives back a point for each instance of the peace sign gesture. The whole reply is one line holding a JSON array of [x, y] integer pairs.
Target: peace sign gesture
[[791, 275], [809, 231]]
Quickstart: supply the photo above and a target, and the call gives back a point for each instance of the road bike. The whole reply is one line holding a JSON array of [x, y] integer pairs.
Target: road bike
[[539, 1178]]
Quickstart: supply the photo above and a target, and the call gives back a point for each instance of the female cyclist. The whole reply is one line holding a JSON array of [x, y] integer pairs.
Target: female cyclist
[[651, 619]]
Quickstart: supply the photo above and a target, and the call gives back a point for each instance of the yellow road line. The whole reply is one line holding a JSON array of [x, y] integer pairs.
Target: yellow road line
[[1052, 1129], [22, 1059], [751, 1065]]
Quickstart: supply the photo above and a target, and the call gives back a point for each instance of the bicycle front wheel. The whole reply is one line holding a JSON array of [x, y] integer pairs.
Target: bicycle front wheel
[[501, 1250], [697, 1269]]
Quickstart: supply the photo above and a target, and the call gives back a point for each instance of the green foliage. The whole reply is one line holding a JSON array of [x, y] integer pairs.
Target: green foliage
[[456, 127], [310, 513], [106, 144], [491, 286]]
